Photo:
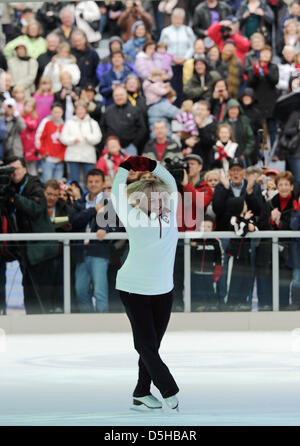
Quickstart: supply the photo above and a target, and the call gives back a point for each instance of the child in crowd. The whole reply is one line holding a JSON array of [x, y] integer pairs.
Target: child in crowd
[[186, 119], [18, 94], [44, 98], [112, 156], [30, 118], [225, 147], [163, 59], [207, 257], [155, 87]]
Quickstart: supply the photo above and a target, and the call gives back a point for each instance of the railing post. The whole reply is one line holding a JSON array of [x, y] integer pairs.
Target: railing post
[[275, 273], [187, 276], [67, 277]]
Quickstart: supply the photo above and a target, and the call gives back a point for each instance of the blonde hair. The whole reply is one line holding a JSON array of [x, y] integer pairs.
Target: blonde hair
[[66, 46], [187, 106], [137, 190], [18, 89], [44, 80], [211, 172], [65, 74], [33, 113], [289, 22], [228, 127]]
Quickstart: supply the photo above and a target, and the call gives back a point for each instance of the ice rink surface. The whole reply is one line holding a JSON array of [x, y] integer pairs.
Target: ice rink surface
[[226, 378]]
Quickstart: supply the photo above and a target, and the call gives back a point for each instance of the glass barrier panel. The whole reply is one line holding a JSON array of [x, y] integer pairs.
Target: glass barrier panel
[[289, 274]]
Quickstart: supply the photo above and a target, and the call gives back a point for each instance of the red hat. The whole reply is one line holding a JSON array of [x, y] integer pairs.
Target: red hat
[[272, 172]]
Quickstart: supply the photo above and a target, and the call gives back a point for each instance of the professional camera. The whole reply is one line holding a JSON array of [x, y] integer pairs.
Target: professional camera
[[176, 167], [5, 185]]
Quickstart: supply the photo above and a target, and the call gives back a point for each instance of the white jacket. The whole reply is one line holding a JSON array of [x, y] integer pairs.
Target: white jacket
[[53, 70], [88, 132], [86, 12], [149, 266]]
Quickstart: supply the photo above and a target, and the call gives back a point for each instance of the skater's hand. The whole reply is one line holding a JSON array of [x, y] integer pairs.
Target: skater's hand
[[100, 234]]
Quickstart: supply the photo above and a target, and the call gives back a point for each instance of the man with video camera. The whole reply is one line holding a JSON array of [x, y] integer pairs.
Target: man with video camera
[[28, 206]]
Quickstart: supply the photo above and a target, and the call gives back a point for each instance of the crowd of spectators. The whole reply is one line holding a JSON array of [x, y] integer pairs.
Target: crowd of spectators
[[213, 83]]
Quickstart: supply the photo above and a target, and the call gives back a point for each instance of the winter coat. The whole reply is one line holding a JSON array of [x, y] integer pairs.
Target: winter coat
[[207, 138], [172, 150], [255, 203], [163, 61], [89, 134], [28, 138], [202, 17], [32, 217], [154, 91], [195, 91], [242, 44], [293, 260], [128, 18], [266, 20], [53, 70], [290, 130], [286, 70], [206, 255], [132, 47], [43, 105], [23, 71], [87, 61], [49, 22], [61, 35], [144, 65], [87, 17], [163, 110], [109, 164], [12, 143], [107, 80], [225, 152], [35, 46], [47, 139], [126, 122], [242, 130], [264, 86], [180, 40], [2, 137], [43, 61]]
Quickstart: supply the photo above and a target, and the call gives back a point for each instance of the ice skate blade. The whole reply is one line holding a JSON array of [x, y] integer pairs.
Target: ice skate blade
[[145, 409]]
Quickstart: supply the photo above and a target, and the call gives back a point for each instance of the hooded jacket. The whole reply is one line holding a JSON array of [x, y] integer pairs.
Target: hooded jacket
[[195, 91], [242, 131], [23, 70], [35, 46]]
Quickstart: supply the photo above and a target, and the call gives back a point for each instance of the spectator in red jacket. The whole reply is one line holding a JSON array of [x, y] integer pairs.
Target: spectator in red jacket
[[29, 116], [229, 28], [196, 195], [113, 156], [49, 145]]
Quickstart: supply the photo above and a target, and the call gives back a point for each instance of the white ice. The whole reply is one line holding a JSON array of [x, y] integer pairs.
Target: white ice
[[225, 378]]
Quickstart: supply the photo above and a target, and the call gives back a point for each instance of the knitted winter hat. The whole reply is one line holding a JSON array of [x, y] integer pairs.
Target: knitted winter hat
[[135, 25]]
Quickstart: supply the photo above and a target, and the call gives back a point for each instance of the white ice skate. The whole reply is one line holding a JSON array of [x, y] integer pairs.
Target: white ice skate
[[148, 402], [172, 402]]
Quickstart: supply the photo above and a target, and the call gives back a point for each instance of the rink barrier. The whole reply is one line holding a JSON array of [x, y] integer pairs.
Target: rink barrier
[[66, 238]]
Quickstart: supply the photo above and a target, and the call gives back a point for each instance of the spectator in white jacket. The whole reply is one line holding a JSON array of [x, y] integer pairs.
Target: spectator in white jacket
[[63, 61], [23, 69], [87, 18], [286, 68], [80, 134], [180, 41]]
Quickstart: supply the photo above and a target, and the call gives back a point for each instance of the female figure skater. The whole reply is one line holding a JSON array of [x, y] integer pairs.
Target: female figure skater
[[145, 281]]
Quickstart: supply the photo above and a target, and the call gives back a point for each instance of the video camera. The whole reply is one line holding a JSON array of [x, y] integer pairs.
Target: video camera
[[5, 185], [176, 167]]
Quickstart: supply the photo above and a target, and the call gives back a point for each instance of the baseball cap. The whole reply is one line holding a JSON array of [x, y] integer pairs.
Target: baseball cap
[[236, 162], [272, 172], [195, 157]]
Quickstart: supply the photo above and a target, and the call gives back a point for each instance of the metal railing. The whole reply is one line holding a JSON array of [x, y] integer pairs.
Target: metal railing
[[66, 238]]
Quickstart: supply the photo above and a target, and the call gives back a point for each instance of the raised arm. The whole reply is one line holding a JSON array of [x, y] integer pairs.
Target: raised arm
[[119, 195]]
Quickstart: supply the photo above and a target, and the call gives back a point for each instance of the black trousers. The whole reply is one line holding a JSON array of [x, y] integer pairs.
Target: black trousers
[[149, 317]]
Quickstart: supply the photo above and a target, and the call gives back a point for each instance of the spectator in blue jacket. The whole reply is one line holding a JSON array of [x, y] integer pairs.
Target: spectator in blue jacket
[[135, 45], [116, 76]]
